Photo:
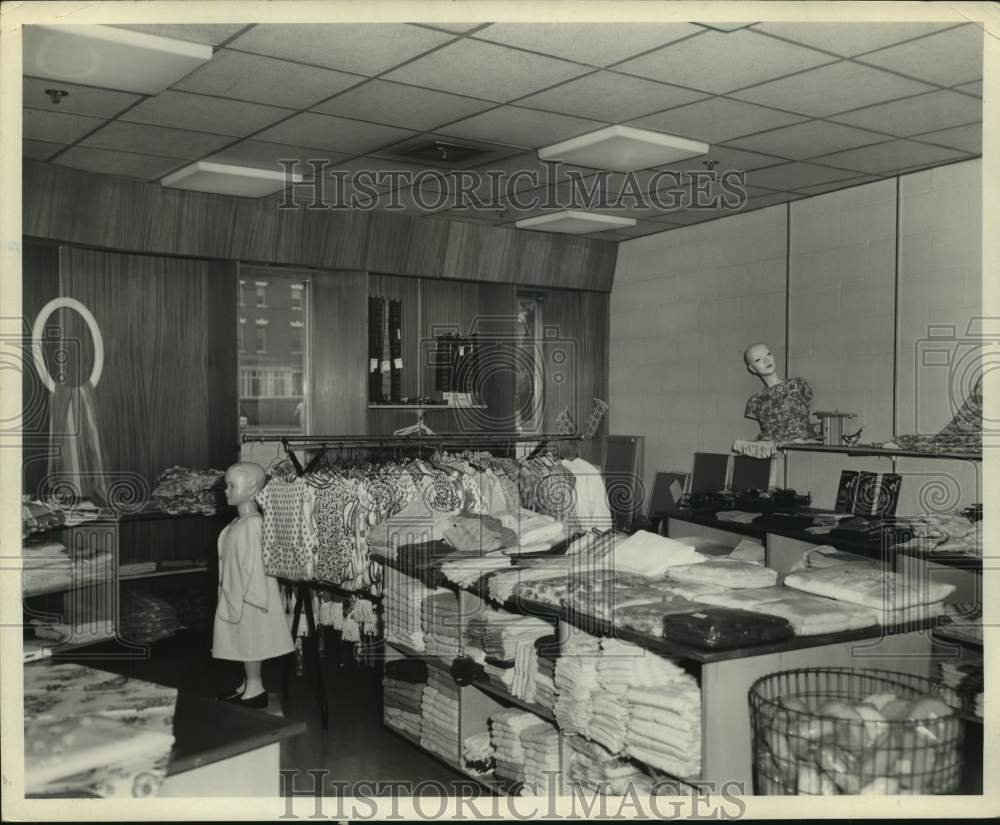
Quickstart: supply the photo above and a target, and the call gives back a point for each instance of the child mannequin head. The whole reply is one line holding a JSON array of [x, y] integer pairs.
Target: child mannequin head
[[243, 481]]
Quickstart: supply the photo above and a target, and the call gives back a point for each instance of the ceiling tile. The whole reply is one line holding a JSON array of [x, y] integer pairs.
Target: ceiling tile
[[525, 171], [964, 138], [891, 156], [515, 126], [971, 88], [625, 232], [806, 140], [156, 140], [597, 44], [719, 63], [81, 100], [263, 155], [57, 127], [716, 120], [849, 39], [365, 48], [260, 79], [610, 97], [379, 172], [337, 133], [399, 105], [208, 34], [948, 58], [820, 188], [204, 114], [769, 200], [832, 89], [729, 159], [40, 149], [486, 70], [924, 113], [792, 176], [117, 162]]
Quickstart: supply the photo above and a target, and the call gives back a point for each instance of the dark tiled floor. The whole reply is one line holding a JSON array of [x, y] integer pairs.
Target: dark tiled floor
[[356, 748]]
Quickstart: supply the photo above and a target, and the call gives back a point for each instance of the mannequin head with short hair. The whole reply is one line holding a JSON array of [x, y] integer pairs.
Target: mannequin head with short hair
[[243, 481]]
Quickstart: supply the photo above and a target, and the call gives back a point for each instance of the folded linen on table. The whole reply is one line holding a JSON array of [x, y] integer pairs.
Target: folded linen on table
[[672, 765], [869, 586]]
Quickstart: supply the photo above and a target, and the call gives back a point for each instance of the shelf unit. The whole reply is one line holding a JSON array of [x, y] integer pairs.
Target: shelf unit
[[724, 676], [861, 450]]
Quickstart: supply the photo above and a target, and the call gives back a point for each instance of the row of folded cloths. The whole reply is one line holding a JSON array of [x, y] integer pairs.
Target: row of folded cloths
[[547, 651], [440, 622], [45, 565], [509, 753], [547, 579], [542, 760], [401, 605], [403, 683], [507, 641], [576, 682], [439, 716], [594, 768], [477, 753]]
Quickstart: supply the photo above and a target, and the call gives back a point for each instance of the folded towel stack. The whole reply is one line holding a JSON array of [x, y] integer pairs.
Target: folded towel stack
[[508, 643], [505, 734], [477, 753], [809, 615], [594, 768], [576, 681], [440, 622], [45, 565], [664, 727], [439, 715], [402, 600], [542, 761], [403, 685], [545, 672], [464, 572]]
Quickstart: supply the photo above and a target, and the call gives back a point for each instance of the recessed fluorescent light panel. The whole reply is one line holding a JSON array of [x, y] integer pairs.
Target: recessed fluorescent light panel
[[225, 179], [110, 58], [575, 223], [623, 149]]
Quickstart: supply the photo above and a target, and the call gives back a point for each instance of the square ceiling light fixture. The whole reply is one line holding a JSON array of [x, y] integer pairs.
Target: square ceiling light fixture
[[225, 179], [110, 58], [575, 223], [623, 149]]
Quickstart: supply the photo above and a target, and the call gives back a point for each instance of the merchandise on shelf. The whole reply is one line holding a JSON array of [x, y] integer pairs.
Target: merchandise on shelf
[[509, 754], [146, 618], [401, 601], [729, 573], [440, 623], [403, 685], [504, 643], [542, 760], [477, 754], [943, 533], [439, 704], [188, 490], [870, 586], [809, 615], [45, 565]]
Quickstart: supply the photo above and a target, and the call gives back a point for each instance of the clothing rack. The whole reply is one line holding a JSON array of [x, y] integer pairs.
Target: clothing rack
[[324, 443]]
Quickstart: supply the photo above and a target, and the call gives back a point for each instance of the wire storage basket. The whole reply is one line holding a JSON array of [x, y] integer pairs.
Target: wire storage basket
[[824, 731]]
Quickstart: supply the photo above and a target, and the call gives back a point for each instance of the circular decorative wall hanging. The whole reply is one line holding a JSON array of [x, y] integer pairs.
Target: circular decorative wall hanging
[[39, 328]]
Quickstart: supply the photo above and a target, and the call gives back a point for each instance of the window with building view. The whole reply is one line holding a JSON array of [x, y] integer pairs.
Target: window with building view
[[272, 363]]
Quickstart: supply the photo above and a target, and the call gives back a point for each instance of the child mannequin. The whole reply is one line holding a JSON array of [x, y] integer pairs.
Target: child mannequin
[[250, 623]]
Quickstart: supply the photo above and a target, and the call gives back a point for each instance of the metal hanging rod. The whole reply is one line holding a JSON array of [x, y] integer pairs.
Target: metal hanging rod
[[407, 440]]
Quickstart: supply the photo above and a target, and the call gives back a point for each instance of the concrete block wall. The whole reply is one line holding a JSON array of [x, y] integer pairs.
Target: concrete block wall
[[686, 303]]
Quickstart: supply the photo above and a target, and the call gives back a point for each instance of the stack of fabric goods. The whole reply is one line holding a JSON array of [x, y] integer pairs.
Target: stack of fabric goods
[[37, 517], [937, 533], [477, 754], [440, 623], [402, 599], [136, 568], [44, 565], [966, 677], [722, 572], [809, 615], [594, 768], [90, 563], [188, 490], [507, 642], [146, 618], [479, 534], [92, 733], [542, 760], [664, 727], [546, 651], [439, 715], [576, 681], [647, 617], [649, 554], [895, 598], [506, 727], [467, 571], [403, 684]]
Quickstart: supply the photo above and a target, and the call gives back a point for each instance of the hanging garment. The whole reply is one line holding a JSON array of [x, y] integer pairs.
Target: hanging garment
[[289, 529], [395, 349], [250, 618], [76, 456], [592, 510]]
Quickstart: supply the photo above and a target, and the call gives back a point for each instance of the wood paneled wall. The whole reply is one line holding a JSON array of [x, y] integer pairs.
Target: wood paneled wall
[[68, 205], [576, 361], [40, 283], [167, 394], [339, 363]]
